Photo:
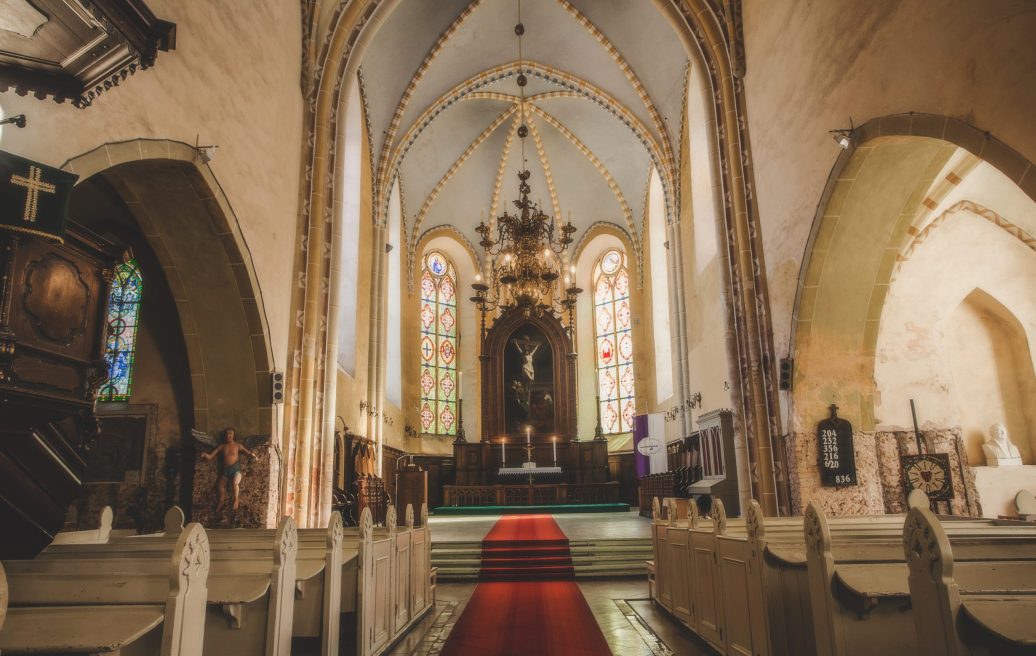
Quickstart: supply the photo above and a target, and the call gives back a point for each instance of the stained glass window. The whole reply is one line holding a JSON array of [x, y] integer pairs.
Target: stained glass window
[[438, 348], [613, 329], [123, 312]]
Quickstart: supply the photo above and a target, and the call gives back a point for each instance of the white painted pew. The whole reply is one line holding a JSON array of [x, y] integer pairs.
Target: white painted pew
[[742, 584], [859, 590], [969, 600], [250, 587], [111, 602]]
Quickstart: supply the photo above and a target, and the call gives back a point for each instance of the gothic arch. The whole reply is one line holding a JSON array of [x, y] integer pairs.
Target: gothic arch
[[911, 145], [712, 39], [167, 186]]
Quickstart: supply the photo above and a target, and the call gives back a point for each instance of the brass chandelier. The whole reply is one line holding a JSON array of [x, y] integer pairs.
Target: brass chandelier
[[527, 247]]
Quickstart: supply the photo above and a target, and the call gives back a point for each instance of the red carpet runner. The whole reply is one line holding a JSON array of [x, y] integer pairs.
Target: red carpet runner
[[527, 602]]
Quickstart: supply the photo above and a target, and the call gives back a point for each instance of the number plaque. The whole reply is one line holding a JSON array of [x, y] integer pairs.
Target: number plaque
[[835, 451]]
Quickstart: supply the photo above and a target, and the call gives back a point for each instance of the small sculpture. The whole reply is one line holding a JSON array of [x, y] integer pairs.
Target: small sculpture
[[999, 450]]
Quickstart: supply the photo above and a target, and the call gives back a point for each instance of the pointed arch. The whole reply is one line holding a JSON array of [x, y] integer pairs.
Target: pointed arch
[[121, 342], [439, 336], [613, 340]]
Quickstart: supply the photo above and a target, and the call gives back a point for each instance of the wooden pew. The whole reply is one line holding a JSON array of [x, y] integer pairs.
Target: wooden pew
[[859, 590], [250, 586], [111, 602], [967, 600], [320, 558], [745, 580]]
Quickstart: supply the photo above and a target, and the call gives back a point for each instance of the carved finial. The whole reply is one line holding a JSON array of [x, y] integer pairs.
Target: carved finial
[[287, 539], [815, 528], [192, 556], [918, 499], [719, 517], [693, 518], [390, 518], [424, 514], [335, 531], [927, 547], [104, 526], [173, 521], [409, 516], [656, 510]]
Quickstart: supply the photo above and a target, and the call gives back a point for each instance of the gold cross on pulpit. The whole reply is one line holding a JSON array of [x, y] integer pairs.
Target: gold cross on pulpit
[[34, 186]]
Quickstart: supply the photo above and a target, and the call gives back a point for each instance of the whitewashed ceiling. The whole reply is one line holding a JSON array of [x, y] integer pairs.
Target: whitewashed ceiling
[[603, 105]]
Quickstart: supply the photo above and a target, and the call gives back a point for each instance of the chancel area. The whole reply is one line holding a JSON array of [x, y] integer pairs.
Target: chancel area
[[514, 327]]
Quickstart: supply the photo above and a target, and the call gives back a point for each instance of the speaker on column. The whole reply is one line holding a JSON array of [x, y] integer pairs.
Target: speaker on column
[[277, 386], [787, 368]]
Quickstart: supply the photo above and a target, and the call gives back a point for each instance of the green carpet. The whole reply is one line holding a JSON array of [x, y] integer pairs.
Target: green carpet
[[528, 510]]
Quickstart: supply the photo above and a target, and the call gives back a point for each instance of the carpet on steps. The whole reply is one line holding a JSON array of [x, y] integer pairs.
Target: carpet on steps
[[527, 601]]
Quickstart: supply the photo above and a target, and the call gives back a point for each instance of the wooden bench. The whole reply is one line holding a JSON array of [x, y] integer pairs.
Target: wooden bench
[[970, 596], [859, 590], [111, 602], [250, 586], [742, 584]]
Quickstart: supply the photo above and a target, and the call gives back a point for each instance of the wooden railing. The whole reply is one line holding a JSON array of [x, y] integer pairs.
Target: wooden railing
[[531, 495]]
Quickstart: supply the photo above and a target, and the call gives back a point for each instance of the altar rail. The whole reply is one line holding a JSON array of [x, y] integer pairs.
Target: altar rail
[[530, 495]]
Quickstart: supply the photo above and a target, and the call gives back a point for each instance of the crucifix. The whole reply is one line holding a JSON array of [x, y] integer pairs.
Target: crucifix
[[34, 186]]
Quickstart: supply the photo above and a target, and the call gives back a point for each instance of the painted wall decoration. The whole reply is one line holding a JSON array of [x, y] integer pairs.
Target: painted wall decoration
[[123, 320], [613, 323], [529, 381], [438, 347]]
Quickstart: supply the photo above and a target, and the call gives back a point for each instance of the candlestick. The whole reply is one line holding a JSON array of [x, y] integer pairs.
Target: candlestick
[[503, 452], [554, 442]]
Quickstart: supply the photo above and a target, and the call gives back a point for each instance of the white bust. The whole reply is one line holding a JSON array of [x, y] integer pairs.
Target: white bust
[[998, 448]]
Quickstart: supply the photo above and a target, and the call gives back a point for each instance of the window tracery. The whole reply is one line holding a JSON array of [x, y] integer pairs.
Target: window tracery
[[613, 321], [123, 320], [438, 347]]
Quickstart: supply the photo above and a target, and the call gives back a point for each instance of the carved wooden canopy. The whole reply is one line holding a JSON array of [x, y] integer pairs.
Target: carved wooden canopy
[[76, 49], [553, 365]]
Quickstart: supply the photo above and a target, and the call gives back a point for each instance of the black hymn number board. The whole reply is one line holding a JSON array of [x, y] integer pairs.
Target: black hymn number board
[[835, 451]]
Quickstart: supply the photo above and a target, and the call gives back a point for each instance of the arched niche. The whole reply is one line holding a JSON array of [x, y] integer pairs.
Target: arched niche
[[179, 207], [993, 376], [499, 351]]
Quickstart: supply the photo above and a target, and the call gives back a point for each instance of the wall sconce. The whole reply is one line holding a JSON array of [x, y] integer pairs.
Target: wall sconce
[[205, 152], [844, 136], [18, 121]]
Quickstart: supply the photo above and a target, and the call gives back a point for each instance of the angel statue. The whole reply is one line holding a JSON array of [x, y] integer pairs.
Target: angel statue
[[230, 452]]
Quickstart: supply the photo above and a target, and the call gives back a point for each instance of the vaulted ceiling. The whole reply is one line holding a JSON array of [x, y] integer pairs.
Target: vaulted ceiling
[[604, 104]]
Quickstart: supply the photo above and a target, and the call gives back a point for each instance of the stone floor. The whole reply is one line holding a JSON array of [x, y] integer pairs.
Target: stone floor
[[577, 526], [630, 622]]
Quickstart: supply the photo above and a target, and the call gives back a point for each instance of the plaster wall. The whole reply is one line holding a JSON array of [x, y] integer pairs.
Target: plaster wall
[[961, 362], [812, 65], [233, 80], [703, 280]]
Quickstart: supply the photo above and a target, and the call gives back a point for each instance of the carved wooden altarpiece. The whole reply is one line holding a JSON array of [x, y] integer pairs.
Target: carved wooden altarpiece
[[528, 379]]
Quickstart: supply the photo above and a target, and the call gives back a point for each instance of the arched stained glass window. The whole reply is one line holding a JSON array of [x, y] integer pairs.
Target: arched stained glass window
[[123, 315], [438, 348], [613, 328]]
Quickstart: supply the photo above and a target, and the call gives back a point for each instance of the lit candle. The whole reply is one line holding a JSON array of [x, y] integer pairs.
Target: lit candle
[[478, 277], [503, 451], [554, 441], [460, 384], [528, 434]]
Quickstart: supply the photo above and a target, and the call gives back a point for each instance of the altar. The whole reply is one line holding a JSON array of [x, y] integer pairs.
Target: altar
[[528, 408]]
